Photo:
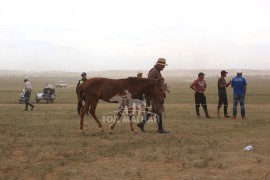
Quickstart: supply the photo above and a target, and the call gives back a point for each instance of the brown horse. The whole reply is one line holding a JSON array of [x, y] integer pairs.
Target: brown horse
[[117, 90]]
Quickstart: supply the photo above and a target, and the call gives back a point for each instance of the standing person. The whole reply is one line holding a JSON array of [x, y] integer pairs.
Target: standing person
[[222, 94], [239, 85], [27, 94], [157, 107], [84, 78], [199, 86], [139, 102]]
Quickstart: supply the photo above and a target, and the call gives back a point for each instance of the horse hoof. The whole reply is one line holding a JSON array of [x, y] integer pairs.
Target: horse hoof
[[134, 132], [110, 128], [101, 129], [82, 132]]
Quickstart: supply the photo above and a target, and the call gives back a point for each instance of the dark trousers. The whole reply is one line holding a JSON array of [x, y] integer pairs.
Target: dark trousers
[[200, 99], [78, 105], [223, 99], [26, 100], [148, 114]]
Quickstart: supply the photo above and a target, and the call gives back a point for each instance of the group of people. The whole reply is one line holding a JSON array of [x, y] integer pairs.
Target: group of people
[[239, 85], [199, 85]]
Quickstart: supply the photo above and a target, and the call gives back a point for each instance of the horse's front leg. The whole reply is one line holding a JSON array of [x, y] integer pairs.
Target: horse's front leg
[[119, 115]]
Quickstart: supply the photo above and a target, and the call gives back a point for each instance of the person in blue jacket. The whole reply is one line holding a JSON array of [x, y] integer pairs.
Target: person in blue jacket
[[239, 85]]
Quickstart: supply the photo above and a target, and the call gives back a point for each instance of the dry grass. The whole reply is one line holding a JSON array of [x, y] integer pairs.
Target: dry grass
[[45, 143]]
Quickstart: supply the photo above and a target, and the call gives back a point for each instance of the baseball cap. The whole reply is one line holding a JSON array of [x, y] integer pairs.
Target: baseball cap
[[223, 72], [201, 73], [83, 73], [238, 72], [25, 78], [139, 72]]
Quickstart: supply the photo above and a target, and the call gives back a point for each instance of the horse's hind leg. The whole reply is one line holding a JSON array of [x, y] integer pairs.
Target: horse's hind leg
[[93, 113]]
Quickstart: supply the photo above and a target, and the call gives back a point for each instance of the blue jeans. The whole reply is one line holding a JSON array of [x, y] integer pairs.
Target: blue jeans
[[239, 98]]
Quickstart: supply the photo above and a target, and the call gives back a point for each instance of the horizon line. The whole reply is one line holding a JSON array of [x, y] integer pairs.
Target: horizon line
[[132, 70]]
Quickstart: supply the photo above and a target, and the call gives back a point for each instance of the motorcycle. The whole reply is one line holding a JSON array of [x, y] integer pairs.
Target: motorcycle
[[21, 99]]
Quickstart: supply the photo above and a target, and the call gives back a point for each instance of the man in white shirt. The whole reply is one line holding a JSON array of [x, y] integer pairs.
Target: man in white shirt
[[28, 90]]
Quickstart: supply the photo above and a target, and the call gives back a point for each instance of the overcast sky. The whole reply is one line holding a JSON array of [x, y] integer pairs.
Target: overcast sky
[[94, 35]]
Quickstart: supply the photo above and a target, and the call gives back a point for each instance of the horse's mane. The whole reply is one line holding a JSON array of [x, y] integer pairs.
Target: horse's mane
[[136, 79]]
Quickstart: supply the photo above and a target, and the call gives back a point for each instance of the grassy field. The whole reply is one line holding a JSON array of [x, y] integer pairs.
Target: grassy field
[[45, 143]]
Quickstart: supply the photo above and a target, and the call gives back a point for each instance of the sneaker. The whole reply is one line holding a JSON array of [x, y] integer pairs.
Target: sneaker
[[141, 126], [226, 116], [208, 117], [32, 108], [163, 131]]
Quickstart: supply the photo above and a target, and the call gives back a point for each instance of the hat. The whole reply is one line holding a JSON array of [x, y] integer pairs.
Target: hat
[[201, 73], [83, 73], [139, 72], [162, 61], [25, 78], [238, 72], [223, 72]]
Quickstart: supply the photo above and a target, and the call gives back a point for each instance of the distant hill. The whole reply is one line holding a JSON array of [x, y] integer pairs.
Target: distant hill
[[128, 73]]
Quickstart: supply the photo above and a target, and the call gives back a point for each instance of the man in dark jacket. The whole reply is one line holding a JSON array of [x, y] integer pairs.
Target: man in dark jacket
[[157, 107], [222, 94], [84, 78]]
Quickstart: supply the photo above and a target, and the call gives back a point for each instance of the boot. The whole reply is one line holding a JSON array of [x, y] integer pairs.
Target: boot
[[218, 112], [225, 112], [141, 124], [32, 107], [26, 107], [198, 111], [160, 124], [206, 112]]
